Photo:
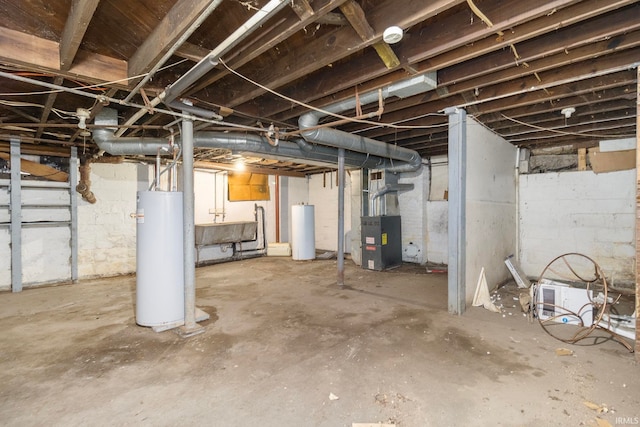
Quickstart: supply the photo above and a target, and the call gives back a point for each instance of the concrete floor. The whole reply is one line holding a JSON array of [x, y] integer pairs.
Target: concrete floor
[[281, 340]]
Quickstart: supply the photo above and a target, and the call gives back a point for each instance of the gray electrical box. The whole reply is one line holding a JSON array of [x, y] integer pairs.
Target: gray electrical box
[[381, 242]]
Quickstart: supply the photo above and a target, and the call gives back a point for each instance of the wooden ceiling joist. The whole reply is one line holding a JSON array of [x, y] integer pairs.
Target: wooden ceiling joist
[[77, 23], [180, 18]]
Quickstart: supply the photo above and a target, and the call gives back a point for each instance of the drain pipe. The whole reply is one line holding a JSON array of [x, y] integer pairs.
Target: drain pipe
[[84, 185], [409, 160]]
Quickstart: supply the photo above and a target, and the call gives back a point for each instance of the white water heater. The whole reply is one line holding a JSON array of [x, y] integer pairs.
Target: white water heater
[[159, 258], [303, 237]]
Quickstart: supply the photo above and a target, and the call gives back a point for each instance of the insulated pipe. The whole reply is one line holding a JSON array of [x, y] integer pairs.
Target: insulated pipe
[[207, 63]]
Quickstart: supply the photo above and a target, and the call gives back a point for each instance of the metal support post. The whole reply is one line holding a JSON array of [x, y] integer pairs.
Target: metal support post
[[457, 209], [190, 327], [16, 217], [73, 195], [341, 178]]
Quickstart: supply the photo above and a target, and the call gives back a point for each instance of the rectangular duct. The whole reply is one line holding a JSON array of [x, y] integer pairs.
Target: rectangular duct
[[414, 85]]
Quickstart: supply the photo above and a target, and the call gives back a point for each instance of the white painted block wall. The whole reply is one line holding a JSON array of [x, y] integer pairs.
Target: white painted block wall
[[211, 194], [584, 212], [413, 214], [294, 191], [490, 206], [437, 232], [5, 238], [46, 250], [106, 232], [438, 212], [325, 200]]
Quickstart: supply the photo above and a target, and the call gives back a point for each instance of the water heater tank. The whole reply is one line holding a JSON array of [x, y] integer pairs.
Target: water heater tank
[[159, 258], [303, 238]]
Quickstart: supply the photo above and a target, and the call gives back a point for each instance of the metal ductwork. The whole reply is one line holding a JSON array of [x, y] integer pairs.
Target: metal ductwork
[[389, 188], [239, 143], [128, 146], [406, 160]]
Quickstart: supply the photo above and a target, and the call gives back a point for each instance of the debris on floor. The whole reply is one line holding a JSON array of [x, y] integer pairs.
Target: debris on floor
[[602, 422], [564, 352], [372, 425], [518, 275], [333, 396], [600, 409], [481, 297], [326, 255]]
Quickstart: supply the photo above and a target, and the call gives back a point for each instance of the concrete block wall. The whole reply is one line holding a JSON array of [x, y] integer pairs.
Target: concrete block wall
[[106, 232], [437, 232], [323, 194], [584, 212], [490, 206], [437, 212], [293, 191], [211, 194], [5, 236], [355, 200], [413, 213], [46, 250], [46, 255]]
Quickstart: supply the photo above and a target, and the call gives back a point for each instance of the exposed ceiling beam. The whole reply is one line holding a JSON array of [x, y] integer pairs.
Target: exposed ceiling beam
[[77, 23], [51, 99], [346, 76], [38, 54], [176, 22], [191, 52], [257, 46], [326, 49], [358, 20]]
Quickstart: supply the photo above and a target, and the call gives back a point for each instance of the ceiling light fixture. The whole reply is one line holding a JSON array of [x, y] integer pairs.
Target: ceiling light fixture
[[567, 112], [392, 34]]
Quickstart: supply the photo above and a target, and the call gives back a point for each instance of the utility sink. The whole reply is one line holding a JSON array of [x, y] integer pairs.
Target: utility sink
[[225, 232]]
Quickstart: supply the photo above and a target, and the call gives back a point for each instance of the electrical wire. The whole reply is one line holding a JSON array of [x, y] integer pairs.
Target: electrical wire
[[82, 86], [320, 110], [594, 135]]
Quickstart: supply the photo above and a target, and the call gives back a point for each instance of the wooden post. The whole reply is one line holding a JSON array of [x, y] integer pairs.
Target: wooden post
[[582, 159], [637, 350]]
